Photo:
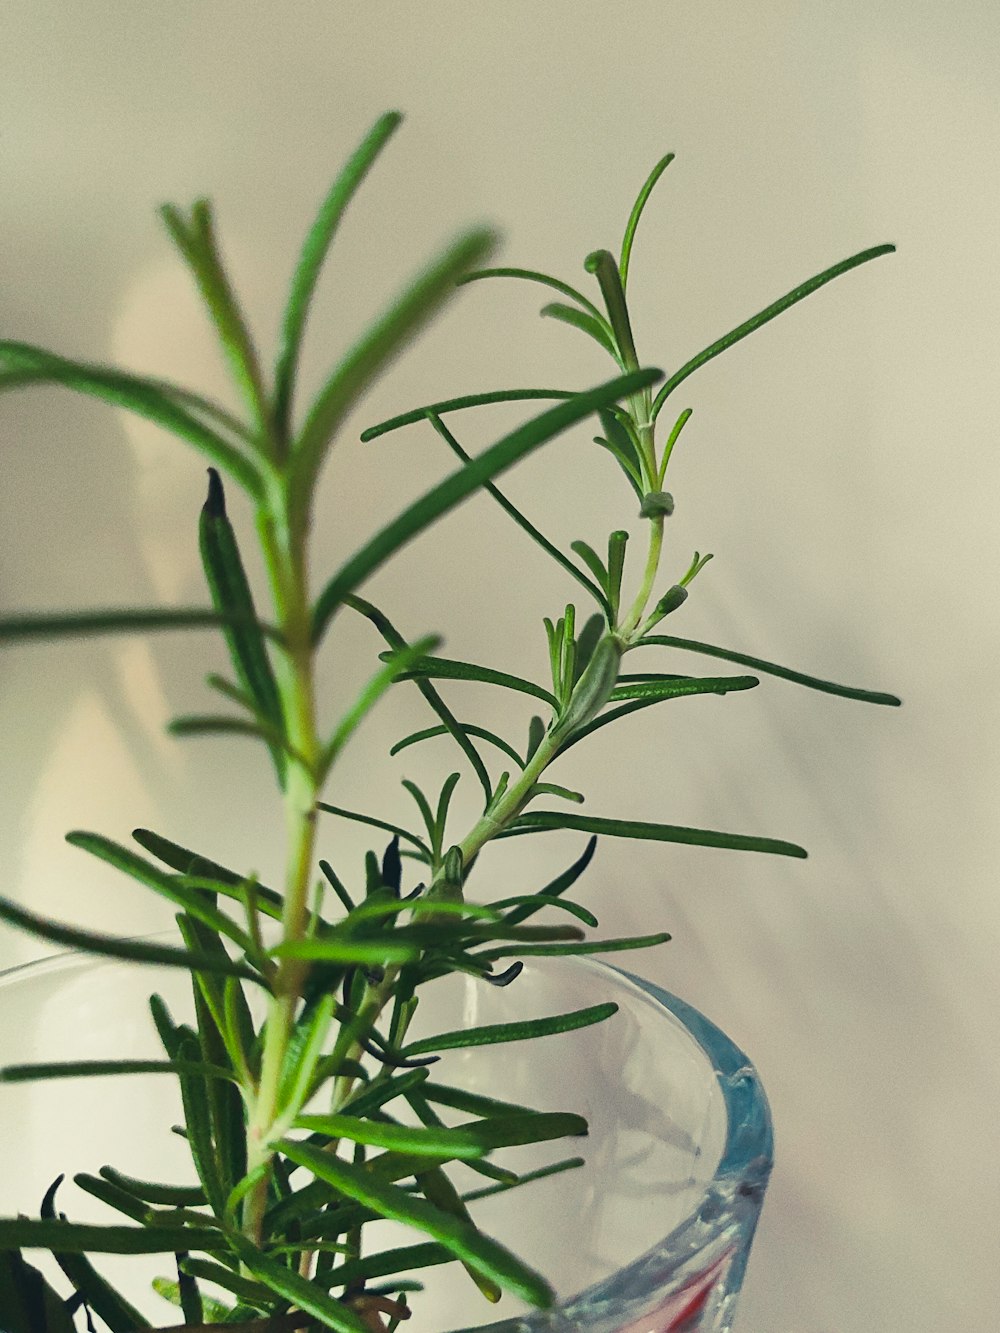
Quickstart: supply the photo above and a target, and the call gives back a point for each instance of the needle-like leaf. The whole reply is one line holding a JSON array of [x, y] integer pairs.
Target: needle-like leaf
[[97, 1068], [763, 317], [195, 238], [168, 886], [492, 1033], [532, 275], [372, 352], [111, 946], [396, 641], [115, 620], [470, 728], [636, 214], [578, 319], [459, 1236], [76, 1238], [144, 397], [102, 1299], [377, 823], [454, 489], [537, 821], [556, 887], [520, 519], [312, 257], [231, 595], [303, 1294], [457, 404], [772, 669], [443, 668]]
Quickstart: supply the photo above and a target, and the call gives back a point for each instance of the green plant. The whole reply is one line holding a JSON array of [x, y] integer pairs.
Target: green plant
[[341, 987]]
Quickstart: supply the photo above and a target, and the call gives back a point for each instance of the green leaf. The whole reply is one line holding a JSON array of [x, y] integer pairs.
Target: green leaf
[[195, 239], [555, 1169], [377, 823], [369, 356], [443, 668], [100, 1296], [241, 1287], [303, 1053], [220, 1046], [676, 687], [527, 1029], [440, 1193], [200, 869], [168, 886], [763, 317], [74, 1238], [636, 214], [221, 724], [397, 664], [142, 396], [112, 621], [441, 814], [312, 257], [593, 562], [577, 319], [602, 265], [417, 1141], [771, 669], [537, 901], [556, 887], [404, 1259], [711, 685], [532, 275], [396, 641], [335, 882], [459, 1236], [458, 404], [382, 1090], [504, 1131], [115, 1198], [111, 946], [469, 478], [672, 439], [305, 1295], [98, 1068], [536, 821], [27, 1302], [554, 789], [231, 595], [583, 947], [198, 1124], [151, 1191], [472, 1103], [470, 728], [344, 949], [520, 519]]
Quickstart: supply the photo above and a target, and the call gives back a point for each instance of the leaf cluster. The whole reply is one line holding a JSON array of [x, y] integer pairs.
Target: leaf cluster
[[309, 1106]]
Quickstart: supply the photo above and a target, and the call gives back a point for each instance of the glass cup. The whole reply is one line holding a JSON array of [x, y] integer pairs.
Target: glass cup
[[650, 1235]]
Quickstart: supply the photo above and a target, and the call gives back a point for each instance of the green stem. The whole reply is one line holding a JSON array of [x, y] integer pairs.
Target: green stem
[[284, 551], [492, 821], [626, 631]]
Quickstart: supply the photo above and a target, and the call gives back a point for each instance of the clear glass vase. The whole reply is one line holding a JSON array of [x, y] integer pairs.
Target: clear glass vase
[[650, 1235]]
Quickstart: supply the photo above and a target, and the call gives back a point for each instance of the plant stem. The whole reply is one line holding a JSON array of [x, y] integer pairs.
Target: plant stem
[[628, 626], [284, 550]]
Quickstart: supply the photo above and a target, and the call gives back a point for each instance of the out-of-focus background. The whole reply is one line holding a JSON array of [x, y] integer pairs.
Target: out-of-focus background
[[842, 465]]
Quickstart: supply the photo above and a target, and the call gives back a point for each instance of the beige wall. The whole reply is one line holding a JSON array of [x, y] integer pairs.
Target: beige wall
[[842, 465]]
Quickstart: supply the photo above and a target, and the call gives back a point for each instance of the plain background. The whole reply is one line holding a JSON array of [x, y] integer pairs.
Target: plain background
[[841, 464]]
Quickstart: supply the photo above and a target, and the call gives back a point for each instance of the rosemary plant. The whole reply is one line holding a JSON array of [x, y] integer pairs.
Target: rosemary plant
[[323, 1116]]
